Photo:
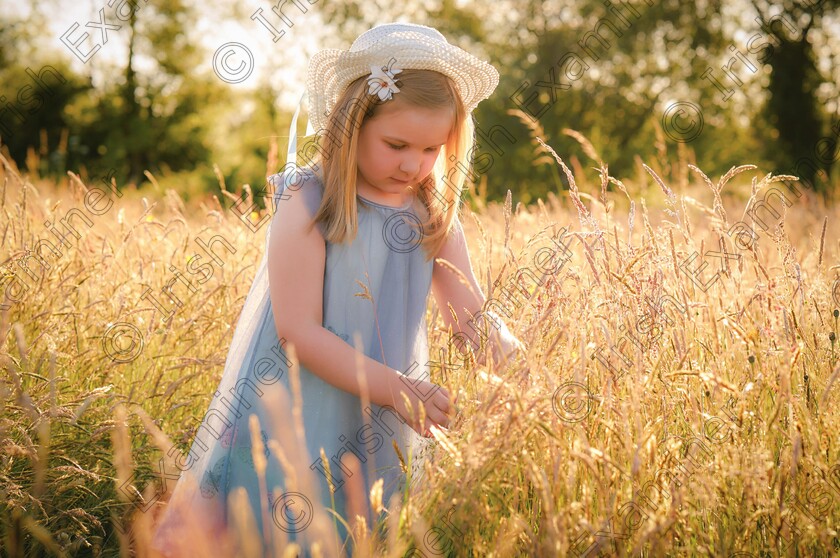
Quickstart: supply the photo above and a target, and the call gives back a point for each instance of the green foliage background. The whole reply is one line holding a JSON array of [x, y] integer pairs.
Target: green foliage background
[[166, 117]]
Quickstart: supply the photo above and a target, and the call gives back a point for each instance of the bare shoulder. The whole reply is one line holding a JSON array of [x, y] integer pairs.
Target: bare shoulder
[[304, 190], [296, 203]]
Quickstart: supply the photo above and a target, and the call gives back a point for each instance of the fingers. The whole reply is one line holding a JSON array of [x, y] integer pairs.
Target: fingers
[[439, 412], [442, 391], [439, 399], [439, 417], [443, 405], [434, 417]]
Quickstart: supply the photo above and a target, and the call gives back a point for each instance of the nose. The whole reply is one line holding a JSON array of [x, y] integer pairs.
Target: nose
[[410, 165]]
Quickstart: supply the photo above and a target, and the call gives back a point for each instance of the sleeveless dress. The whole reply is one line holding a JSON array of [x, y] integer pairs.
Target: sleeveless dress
[[387, 258]]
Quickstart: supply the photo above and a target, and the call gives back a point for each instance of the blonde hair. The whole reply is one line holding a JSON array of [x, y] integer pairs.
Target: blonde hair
[[337, 148]]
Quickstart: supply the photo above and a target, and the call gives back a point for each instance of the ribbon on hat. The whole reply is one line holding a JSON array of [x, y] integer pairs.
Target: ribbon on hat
[[291, 154]]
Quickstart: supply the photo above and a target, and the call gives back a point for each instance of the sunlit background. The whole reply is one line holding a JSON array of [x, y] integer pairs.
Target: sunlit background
[[709, 76]]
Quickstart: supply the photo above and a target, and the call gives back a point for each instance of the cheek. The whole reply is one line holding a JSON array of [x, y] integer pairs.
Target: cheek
[[370, 156], [429, 163], [387, 158]]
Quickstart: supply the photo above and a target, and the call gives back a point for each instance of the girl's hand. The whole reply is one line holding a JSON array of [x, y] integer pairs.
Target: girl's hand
[[500, 345], [435, 400], [503, 344]]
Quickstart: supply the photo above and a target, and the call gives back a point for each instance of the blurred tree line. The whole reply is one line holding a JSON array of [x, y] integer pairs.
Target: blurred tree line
[[763, 74]]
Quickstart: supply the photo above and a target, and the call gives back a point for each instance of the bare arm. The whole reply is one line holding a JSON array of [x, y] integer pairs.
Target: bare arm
[[296, 261]]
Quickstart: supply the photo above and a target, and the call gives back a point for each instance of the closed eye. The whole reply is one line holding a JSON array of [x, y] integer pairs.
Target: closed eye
[[400, 147]]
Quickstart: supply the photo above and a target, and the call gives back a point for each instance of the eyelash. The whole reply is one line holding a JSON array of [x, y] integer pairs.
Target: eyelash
[[399, 147]]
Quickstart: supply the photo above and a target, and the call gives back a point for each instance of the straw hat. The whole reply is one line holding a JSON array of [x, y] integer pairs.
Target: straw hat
[[412, 46]]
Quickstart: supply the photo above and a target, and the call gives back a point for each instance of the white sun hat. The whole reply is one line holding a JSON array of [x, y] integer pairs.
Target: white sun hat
[[403, 46]]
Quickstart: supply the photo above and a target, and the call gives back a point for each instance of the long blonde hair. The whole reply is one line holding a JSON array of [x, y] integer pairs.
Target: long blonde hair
[[337, 145]]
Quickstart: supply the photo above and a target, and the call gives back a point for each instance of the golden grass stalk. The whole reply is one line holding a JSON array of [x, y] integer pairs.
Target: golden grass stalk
[[510, 476]]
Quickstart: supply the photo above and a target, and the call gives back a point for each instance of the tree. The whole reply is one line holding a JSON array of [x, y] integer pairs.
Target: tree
[[792, 107], [33, 95], [152, 127], [134, 119]]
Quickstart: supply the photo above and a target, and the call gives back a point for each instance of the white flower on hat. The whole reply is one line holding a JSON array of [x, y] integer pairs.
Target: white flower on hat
[[381, 80]]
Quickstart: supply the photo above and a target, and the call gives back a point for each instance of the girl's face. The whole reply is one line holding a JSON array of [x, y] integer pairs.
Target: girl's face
[[397, 149]]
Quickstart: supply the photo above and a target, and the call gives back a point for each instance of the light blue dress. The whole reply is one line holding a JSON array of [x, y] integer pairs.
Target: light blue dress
[[386, 256]]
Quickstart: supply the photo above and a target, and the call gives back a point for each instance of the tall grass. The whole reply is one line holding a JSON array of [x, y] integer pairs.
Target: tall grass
[[717, 435]]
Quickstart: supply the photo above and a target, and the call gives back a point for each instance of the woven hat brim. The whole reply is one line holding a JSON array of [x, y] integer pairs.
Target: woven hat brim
[[332, 70]]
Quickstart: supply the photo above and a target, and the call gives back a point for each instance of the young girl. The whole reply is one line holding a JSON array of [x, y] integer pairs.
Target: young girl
[[350, 259]]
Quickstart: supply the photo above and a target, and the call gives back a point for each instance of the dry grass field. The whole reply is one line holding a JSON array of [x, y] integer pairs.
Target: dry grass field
[[675, 399]]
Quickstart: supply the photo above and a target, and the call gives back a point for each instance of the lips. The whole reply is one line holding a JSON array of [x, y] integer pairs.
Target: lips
[[401, 181]]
